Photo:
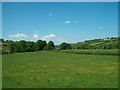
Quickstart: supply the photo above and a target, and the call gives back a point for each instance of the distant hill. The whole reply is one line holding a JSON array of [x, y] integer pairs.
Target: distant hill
[[105, 43]]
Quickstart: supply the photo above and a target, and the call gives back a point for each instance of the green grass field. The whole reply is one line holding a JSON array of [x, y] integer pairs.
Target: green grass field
[[0, 71], [49, 69]]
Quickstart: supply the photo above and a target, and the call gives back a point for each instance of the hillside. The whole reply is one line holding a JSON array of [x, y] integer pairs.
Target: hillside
[[105, 43]]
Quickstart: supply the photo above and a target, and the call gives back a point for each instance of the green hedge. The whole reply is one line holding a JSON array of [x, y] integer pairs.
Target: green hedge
[[93, 52]]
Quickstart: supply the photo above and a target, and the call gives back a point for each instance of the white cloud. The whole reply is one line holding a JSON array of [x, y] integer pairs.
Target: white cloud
[[49, 36], [67, 22], [36, 36], [46, 37], [54, 38], [19, 35], [50, 14]]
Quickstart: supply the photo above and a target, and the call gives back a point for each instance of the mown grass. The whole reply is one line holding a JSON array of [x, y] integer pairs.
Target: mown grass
[[0, 71], [48, 69]]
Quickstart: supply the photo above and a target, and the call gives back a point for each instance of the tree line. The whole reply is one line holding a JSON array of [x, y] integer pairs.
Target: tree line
[[10, 46]]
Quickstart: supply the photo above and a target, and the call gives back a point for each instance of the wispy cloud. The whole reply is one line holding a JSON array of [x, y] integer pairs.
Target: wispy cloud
[[19, 35], [99, 28], [50, 14], [49, 36], [71, 21], [67, 22], [36, 36], [54, 38]]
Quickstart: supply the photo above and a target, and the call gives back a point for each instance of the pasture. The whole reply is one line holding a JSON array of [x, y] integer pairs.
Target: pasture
[[50, 69]]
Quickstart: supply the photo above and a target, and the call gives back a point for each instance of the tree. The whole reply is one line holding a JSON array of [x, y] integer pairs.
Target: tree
[[44, 43], [9, 46], [21, 46], [65, 45], [29, 46], [68, 46], [6, 50], [39, 45], [2, 40], [12, 46], [49, 46]]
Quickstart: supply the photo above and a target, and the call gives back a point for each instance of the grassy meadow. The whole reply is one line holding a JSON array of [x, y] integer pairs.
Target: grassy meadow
[[50, 69], [0, 71]]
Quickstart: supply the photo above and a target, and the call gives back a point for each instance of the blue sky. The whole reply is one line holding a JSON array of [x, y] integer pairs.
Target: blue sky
[[59, 21]]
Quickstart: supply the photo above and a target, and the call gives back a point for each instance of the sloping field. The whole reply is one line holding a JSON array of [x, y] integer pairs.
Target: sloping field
[[59, 70]]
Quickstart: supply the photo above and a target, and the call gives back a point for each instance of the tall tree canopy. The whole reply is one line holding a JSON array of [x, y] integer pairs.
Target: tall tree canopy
[[39, 45], [65, 45], [49, 46]]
